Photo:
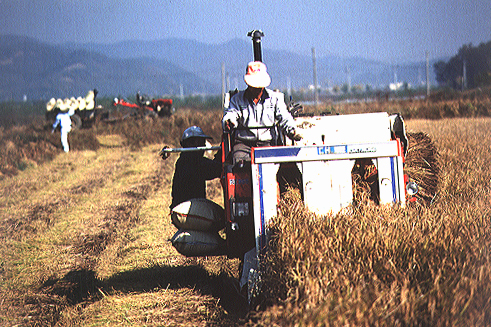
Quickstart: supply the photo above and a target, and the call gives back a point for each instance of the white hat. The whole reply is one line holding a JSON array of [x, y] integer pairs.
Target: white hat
[[90, 96], [59, 103], [256, 75]]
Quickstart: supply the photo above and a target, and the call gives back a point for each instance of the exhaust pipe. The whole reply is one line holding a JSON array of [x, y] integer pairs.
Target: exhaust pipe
[[256, 36]]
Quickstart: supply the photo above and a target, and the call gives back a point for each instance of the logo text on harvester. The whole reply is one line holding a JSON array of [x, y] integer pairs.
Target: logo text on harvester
[[368, 149], [331, 149], [239, 181]]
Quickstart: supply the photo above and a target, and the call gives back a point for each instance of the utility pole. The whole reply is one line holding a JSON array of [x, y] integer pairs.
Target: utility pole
[[464, 75], [427, 76], [289, 86], [348, 77], [223, 84], [316, 87]]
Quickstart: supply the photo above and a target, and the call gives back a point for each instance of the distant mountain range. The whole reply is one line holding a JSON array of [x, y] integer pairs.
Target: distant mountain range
[[170, 67]]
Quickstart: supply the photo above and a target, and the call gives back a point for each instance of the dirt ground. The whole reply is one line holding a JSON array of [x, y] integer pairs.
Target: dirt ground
[[85, 242]]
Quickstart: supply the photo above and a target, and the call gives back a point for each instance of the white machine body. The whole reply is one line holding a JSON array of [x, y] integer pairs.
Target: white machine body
[[325, 158]]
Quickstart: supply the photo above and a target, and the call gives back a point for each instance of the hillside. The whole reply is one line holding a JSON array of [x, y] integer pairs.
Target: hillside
[[42, 71], [286, 67]]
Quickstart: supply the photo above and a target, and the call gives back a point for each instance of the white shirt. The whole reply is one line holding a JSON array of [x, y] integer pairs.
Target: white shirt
[[63, 119]]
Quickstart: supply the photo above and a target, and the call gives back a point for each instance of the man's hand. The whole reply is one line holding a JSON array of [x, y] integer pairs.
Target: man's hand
[[164, 154], [297, 137], [293, 135], [229, 125]]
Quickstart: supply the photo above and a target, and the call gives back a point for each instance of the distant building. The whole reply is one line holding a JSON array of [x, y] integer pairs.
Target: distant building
[[396, 86]]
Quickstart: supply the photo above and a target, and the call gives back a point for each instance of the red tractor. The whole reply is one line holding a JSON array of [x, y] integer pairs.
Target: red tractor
[[147, 107]]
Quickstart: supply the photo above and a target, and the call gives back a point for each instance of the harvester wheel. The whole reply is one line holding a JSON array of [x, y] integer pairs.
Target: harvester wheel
[[151, 114], [76, 121], [164, 111]]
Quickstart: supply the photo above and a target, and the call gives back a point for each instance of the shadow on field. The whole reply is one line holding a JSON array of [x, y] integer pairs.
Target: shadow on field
[[195, 277], [77, 286], [81, 285]]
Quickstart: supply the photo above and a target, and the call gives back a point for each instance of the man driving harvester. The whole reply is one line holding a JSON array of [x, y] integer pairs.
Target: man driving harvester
[[254, 114], [255, 117]]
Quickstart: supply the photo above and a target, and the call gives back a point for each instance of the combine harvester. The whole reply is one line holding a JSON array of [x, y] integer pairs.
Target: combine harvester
[[321, 165]]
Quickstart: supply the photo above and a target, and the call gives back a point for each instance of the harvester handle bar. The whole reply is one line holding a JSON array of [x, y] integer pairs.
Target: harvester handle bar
[[166, 151], [254, 127], [199, 148]]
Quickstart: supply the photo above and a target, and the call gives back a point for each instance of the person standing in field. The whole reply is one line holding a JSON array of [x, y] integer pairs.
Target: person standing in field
[[63, 119]]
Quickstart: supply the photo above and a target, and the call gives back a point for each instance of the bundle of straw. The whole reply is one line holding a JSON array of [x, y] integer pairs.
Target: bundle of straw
[[422, 166]]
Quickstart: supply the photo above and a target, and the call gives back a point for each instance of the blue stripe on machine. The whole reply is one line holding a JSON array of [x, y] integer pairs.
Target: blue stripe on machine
[[262, 230], [281, 151], [393, 177]]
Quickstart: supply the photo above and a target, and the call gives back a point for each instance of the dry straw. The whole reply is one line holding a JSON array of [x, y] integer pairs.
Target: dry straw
[[376, 266], [422, 165]]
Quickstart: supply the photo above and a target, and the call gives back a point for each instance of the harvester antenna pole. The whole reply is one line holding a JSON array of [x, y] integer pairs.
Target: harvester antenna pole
[[256, 44]]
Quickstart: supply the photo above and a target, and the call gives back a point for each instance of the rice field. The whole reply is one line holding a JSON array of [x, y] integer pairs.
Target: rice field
[[85, 237], [424, 265]]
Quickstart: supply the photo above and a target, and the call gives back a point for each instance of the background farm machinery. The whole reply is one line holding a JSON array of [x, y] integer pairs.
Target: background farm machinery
[[85, 110], [146, 107]]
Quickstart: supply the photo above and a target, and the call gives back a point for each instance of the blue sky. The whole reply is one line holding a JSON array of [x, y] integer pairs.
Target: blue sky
[[374, 29]]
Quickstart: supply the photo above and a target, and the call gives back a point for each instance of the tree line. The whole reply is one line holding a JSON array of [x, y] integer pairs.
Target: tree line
[[469, 68]]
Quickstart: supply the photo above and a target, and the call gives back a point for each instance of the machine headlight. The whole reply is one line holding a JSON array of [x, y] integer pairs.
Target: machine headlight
[[241, 209], [411, 188]]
